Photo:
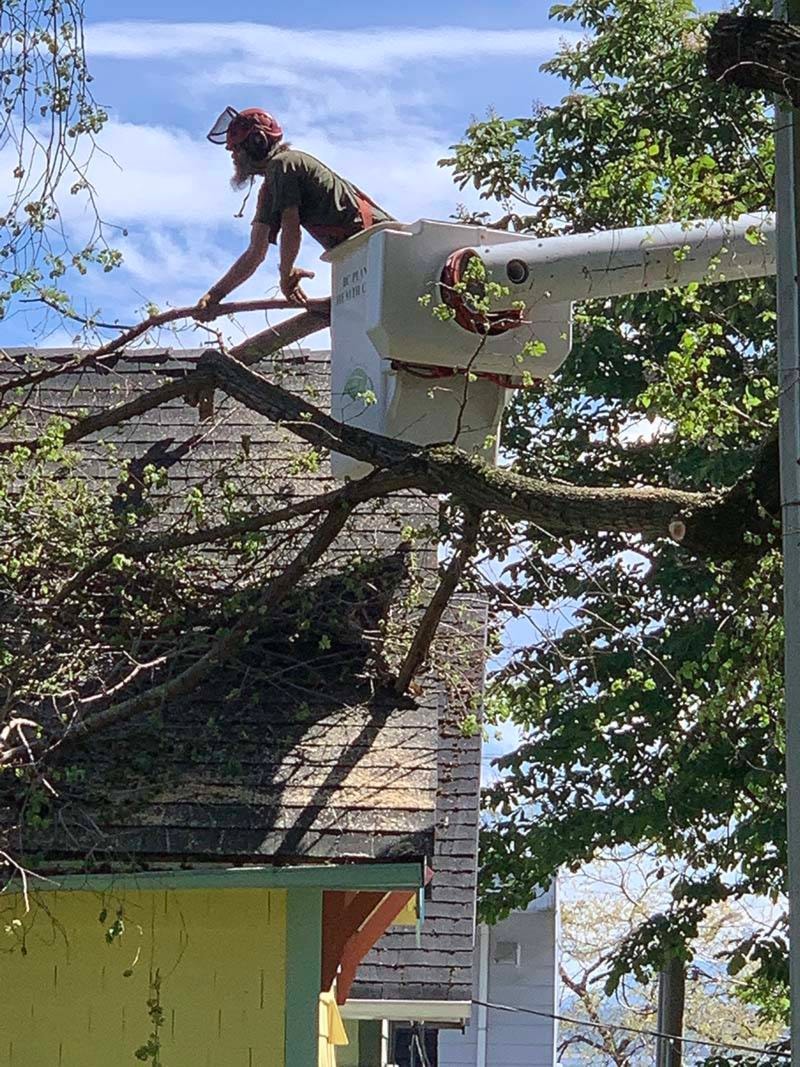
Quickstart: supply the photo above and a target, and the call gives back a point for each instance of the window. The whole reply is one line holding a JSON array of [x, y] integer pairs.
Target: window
[[414, 1046], [507, 952]]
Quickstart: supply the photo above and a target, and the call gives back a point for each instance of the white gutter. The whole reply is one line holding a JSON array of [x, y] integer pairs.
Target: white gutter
[[483, 995], [453, 1012]]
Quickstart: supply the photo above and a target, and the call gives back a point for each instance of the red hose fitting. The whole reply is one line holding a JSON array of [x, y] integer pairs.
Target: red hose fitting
[[430, 372], [489, 324]]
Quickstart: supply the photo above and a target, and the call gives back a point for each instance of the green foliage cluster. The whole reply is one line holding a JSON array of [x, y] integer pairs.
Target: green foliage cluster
[[89, 621], [150, 1052], [652, 715]]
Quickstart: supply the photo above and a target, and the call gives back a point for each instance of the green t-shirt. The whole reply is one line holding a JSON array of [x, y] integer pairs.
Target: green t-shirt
[[327, 202]]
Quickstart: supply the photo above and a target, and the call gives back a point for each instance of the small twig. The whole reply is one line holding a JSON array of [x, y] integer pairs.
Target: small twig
[[68, 313], [137, 670], [24, 875]]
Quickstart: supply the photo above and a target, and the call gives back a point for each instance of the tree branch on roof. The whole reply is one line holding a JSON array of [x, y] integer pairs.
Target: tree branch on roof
[[379, 484], [319, 310], [429, 623], [713, 524], [260, 346]]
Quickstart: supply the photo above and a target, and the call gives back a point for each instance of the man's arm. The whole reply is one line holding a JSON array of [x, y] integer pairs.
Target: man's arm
[[291, 238], [244, 267]]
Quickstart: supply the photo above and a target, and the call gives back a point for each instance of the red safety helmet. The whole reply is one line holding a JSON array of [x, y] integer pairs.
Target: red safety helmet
[[233, 127]]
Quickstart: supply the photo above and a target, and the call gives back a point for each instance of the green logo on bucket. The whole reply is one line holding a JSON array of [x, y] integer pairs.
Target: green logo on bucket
[[359, 385]]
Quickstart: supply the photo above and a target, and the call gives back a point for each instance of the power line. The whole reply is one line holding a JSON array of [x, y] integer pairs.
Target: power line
[[732, 1047]]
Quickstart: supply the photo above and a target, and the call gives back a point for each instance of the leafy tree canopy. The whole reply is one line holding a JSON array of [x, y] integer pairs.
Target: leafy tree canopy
[[50, 120], [653, 716]]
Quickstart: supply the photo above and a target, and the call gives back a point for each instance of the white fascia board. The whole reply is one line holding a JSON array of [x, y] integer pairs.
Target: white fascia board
[[402, 1011]]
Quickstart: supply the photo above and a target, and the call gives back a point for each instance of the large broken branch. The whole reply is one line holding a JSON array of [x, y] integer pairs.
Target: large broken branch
[[756, 53], [707, 524]]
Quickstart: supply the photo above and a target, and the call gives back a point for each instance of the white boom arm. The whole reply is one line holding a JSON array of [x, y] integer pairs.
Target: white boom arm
[[621, 262]]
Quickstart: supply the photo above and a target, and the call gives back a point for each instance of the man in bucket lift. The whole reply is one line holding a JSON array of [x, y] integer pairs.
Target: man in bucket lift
[[298, 191]]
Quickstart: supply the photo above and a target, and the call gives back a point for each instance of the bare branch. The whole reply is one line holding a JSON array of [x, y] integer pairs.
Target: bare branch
[[429, 623], [68, 313], [96, 356]]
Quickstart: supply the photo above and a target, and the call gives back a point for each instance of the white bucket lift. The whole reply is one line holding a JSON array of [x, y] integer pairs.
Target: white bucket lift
[[399, 370]]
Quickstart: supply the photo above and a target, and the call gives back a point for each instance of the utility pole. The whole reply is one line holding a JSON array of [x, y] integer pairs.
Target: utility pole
[[671, 1000], [787, 147]]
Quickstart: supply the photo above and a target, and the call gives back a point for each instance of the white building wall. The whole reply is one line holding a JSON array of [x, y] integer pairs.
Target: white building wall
[[527, 979]]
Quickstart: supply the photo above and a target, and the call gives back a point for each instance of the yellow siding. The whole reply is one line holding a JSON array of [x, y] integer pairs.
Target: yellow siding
[[71, 999]]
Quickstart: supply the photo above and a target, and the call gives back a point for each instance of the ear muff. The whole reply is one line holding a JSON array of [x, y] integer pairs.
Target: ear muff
[[257, 145]]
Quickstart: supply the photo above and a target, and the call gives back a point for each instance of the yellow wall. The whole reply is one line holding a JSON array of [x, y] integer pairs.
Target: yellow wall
[[68, 998]]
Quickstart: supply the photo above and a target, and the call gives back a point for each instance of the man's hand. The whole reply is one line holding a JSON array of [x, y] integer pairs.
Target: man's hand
[[206, 308], [290, 285]]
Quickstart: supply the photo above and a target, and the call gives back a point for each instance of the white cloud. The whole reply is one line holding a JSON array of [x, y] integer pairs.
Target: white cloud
[[275, 47], [386, 80], [154, 174]]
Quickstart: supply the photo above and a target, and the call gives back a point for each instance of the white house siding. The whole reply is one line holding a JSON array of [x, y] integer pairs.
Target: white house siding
[[514, 1040]]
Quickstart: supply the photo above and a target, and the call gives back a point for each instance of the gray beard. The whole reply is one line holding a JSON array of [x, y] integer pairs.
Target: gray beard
[[243, 172], [244, 169]]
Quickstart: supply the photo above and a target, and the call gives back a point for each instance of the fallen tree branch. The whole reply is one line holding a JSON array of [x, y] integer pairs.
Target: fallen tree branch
[[756, 53], [432, 616], [714, 524], [97, 356], [224, 646], [711, 524], [258, 347]]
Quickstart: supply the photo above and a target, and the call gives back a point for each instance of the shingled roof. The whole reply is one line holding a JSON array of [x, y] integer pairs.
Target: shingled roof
[[270, 764], [437, 965]]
